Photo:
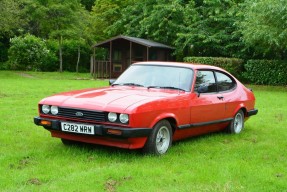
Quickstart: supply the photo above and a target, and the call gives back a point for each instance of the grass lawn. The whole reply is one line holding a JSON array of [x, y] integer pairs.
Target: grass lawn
[[31, 160]]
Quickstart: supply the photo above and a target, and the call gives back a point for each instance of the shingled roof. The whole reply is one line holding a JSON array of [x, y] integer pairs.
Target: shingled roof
[[144, 42]]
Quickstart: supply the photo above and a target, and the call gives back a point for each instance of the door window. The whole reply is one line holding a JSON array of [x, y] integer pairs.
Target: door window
[[205, 82]]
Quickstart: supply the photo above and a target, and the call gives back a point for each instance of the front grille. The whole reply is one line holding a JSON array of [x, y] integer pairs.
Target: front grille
[[82, 114]]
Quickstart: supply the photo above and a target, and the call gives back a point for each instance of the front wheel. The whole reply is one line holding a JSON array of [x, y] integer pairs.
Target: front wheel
[[237, 124], [160, 139]]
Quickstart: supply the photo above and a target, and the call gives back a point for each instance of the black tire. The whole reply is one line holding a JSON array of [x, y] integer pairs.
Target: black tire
[[237, 124], [160, 139], [69, 142]]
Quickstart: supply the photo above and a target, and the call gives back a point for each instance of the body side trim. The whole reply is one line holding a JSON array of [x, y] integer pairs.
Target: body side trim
[[194, 125]]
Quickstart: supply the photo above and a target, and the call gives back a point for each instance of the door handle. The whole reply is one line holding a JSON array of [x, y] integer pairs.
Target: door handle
[[220, 97]]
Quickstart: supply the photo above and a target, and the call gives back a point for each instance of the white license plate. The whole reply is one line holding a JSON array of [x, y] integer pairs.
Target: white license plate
[[78, 128]]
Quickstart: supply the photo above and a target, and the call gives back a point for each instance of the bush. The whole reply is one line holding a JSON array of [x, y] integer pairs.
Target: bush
[[266, 72], [30, 53], [232, 65]]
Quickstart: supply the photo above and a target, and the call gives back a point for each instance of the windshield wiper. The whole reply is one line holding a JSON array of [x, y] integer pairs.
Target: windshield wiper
[[128, 84], [166, 87], [169, 87]]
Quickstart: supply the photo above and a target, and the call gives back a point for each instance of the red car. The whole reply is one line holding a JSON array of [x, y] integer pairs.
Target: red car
[[150, 105]]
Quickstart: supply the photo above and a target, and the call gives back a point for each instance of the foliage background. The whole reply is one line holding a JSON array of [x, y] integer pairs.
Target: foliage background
[[211, 28], [232, 65]]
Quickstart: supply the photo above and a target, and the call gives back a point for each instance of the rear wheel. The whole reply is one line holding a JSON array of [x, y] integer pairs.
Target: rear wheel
[[237, 124], [160, 139]]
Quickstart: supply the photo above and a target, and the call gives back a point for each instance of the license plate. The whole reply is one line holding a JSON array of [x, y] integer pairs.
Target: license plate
[[78, 128]]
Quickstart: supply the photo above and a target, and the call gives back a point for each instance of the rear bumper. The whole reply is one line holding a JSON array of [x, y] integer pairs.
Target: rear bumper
[[100, 130], [252, 112]]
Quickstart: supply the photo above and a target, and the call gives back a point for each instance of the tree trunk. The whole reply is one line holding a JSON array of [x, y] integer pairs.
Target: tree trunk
[[78, 61], [60, 53]]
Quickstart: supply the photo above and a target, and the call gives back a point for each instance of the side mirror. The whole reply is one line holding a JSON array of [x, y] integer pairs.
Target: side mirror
[[201, 89], [111, 81]]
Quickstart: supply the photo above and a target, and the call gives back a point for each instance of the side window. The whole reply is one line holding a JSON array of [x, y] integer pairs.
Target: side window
[[205, 82], [224, 82]]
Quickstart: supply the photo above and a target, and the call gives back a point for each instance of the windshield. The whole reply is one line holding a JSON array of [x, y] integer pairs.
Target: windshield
[[157, 76]]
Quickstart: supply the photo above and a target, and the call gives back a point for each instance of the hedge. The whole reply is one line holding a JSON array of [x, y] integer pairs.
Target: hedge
[[266, 72], [232, 65], [261, 72]]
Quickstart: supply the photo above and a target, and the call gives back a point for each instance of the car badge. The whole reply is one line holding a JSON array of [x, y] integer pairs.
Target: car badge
[[79, 114]]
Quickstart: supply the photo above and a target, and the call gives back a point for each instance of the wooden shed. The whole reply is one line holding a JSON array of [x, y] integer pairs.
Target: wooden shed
[[123, 51]]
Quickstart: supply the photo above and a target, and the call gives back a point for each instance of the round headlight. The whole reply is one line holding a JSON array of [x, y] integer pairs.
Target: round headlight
[[124, 118], [112, 117], [54, 110], [46, 109]]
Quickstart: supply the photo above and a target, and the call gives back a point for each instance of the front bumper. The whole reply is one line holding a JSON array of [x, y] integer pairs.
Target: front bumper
[[100, 130]]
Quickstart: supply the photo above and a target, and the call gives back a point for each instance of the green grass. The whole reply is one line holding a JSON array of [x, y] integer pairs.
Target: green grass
[[31, 160]]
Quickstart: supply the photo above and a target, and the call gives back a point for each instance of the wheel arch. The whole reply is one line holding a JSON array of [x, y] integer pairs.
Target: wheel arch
[[173, 123], [240, 107], [244, 111], [171, 118]]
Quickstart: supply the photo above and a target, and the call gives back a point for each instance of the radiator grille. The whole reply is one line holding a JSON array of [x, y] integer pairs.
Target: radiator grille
[[82, 114]]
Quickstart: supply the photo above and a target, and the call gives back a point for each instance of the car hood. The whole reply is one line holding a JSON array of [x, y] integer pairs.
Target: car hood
[[117, 99]]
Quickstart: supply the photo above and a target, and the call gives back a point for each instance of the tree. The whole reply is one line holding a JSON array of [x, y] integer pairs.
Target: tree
[[264, 27], [55, 19], [88, 4], [212, 31], [158, 20], [79, 34], [163, 21], [11, 17], [104, 14], [130, 20], [202, 28], [11, 23]]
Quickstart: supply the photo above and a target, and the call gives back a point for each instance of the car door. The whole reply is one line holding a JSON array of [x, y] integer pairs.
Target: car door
[[208, 107], [226, 86]]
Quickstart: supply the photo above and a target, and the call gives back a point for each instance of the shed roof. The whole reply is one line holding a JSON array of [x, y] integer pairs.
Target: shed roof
[[144, 42]]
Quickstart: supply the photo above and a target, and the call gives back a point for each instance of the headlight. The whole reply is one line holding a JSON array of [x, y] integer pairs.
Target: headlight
[[124, 118], [46, 109], [112, 117], [54, 110]]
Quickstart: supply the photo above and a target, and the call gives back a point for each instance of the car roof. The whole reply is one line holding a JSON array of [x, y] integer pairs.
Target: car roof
[[179, 64]]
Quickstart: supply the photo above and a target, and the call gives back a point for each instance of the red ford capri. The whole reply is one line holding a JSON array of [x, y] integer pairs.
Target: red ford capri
[[149, 106]]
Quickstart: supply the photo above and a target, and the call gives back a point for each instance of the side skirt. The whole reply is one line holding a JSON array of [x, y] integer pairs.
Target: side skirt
[[194, 125]]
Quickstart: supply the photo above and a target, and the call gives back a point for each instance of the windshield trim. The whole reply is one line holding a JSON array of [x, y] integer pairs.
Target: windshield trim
[[161, 65]]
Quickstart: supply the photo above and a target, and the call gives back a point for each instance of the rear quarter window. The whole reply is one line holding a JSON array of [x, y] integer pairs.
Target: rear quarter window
[[224, 82]]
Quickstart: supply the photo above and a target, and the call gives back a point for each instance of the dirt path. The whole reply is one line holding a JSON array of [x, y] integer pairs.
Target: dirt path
[[25, 75]]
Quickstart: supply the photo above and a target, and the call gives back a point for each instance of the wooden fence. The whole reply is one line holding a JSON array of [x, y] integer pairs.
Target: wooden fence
[[100, 69]]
